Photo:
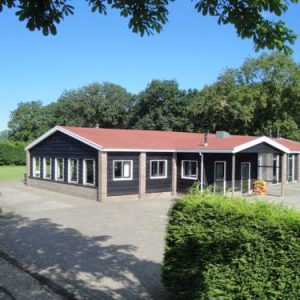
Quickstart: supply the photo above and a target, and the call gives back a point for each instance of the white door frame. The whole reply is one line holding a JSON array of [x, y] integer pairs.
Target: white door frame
[[224, 178], [249, 177]]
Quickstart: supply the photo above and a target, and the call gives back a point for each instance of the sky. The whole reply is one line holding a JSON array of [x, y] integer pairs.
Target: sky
[[192, 49]]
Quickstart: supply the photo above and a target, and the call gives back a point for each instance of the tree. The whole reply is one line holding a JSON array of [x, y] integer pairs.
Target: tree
[[4, 135], [27, 121], [261, 97], [108, 105], [162, 106], [251, 19]]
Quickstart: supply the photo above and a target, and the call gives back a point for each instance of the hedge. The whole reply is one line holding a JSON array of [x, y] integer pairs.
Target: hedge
[[224, 248], [12, 153]]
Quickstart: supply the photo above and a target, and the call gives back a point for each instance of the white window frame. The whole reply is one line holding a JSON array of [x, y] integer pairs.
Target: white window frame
[[259, 166], [63, 169], [69, 170], [224, 183], [276, 158], [34, 173], [45, 168], [182, 169], [84, 172], [166, 168], [122, 161], [249, 175]]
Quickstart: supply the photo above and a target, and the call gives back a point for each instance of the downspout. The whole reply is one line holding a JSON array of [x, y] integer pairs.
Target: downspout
[[201, 172]]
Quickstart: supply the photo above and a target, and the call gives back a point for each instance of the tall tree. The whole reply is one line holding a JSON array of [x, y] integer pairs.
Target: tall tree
[[260, 97], [107, 104], [251, 19], [162, 105], [27, 121]]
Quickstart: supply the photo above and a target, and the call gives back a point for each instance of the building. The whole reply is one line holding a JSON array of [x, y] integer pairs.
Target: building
[[99, 163]]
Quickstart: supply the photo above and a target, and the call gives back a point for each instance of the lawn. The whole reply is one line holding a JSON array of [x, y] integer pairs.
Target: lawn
[[12, 172]]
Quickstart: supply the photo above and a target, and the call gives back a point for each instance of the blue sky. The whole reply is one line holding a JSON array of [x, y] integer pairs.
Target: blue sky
[[192, 49]]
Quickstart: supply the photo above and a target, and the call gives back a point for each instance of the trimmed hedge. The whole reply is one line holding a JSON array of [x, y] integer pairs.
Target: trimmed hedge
[[12, 153], [224, 248]]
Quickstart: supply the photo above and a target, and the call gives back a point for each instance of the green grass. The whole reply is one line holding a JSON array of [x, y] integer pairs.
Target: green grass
[[12, 172]]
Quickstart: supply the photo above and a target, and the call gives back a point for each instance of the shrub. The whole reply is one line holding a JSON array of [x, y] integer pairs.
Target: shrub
[[224, 248], [12, 153]]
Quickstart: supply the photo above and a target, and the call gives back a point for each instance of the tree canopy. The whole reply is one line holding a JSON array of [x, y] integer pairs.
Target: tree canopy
[[258, 20], [261, 97]]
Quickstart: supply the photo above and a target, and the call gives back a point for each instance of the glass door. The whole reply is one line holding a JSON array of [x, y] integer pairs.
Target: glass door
[[220, 177], [245, 177], [276, 168], [291, 166]]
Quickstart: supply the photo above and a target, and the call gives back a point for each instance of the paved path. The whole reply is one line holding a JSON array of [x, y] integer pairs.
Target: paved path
[[111, 250], [17, 284]]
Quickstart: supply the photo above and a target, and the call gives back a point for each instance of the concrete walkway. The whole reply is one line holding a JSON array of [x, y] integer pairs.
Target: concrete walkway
[[112, 250], [17, 284]]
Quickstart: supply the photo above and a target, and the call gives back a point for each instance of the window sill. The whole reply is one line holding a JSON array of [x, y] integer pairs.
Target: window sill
[[189, 178]]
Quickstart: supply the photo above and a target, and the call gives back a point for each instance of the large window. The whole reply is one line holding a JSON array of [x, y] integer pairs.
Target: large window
[[89, 172], [59, 169], [122, 169], [47, 167], [158, 169], [189, 169], [36, 166], [73, 170]]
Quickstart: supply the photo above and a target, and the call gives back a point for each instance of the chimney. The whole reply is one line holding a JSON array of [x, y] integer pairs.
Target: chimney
[[206, 138], [97, 125]]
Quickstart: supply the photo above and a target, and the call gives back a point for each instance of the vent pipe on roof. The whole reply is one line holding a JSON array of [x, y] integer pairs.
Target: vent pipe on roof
[[206, 138], [97, 125]]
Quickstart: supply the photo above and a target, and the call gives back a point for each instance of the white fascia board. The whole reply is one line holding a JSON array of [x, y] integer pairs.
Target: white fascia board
[[65, 131], [167, 150], [260, 140]]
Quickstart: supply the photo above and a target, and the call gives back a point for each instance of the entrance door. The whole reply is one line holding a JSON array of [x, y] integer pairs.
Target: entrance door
[[291, 168], [276, 168], [220, 177], [245, 177]]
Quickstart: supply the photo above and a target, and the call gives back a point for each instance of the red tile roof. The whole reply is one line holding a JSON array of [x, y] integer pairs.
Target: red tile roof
[[292, 145], [152, 139]]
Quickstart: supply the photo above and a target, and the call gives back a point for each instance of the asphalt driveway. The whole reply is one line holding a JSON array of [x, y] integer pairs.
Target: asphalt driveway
[[111, 250]]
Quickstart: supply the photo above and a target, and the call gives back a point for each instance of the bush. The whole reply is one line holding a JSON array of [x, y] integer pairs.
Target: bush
[[224, 248], [12, 153]]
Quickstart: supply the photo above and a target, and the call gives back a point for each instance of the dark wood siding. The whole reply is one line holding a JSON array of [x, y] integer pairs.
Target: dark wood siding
[[160, 184], [261, 148], [122, 187], [209, 164], [184, 184], [60, 145]]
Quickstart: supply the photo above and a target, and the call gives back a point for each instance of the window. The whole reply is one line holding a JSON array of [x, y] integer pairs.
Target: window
[[122, 169], [73, 170], [158, 169], [220, 177], [291, 168], [89, 172], [47, 167], [59, 169], [36, 166], [276, 168], [189, 169]]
